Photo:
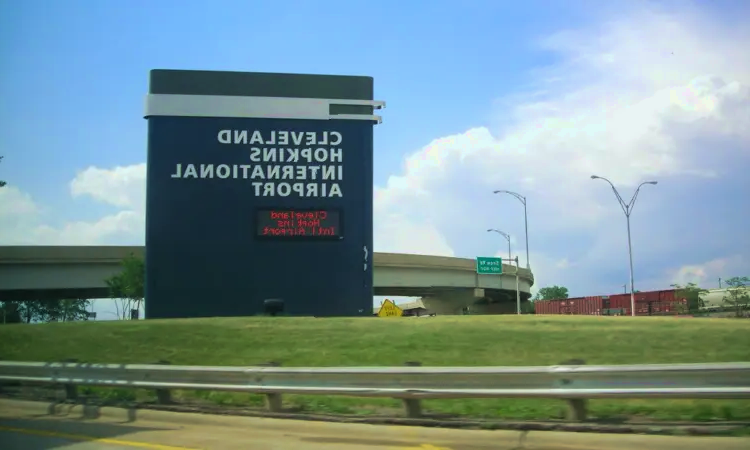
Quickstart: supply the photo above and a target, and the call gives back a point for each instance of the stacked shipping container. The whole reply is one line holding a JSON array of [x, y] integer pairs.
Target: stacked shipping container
[[653, 303]]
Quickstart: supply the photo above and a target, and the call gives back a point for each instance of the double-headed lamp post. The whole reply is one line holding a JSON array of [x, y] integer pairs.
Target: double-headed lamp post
[[521, 199], [627, 208], [503, 234]]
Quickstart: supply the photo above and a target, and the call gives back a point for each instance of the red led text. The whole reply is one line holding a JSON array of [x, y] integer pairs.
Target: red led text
[[298, 223]]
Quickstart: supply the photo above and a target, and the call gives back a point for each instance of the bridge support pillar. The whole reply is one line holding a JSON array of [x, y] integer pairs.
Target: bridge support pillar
[[472, 301], [453, 302]]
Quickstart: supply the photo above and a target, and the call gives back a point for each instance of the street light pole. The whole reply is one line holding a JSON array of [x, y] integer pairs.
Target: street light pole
[[518, 291], [521, 199], [627, 208], [505, 235]]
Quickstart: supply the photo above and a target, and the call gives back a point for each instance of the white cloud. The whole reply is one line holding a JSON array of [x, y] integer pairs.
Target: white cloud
[[632, 99], [709, 272], [16, 204], [18, 213], [397, 234], [21, 222], [103, 231], [122, 186], [619, 105]]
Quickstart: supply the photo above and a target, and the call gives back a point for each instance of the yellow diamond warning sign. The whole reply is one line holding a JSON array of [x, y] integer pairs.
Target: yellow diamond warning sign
[[389, 309]]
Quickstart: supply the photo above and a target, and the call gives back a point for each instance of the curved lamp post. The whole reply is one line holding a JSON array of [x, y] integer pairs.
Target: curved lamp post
[[627, 208], [503, 234], [518, 292], [521, 199]]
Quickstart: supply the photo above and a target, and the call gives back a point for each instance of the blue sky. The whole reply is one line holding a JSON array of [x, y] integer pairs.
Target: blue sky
[[80, 68], [528, 96]]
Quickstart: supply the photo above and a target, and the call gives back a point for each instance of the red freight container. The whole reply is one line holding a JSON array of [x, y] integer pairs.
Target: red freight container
[[547, 307], [620, 301], [648, 303], [653, 303], [566, 306], [570, 306], [669, 296], [645, 297], [666, 308], [641, 309], [595, 305], [588, 306]]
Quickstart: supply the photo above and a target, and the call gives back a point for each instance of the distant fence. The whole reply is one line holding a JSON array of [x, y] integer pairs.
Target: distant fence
[[572, 381]]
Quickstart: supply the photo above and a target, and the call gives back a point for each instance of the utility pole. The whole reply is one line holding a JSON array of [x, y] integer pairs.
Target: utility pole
[[518, 286], [521, 199], [627, 208], [518, 291]]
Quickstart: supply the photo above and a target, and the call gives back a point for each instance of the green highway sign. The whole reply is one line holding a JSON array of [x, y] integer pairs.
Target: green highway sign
[[489, 265]]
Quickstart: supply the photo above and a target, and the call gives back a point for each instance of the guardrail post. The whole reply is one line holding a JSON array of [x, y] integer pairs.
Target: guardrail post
[[273, 400], [413, 406], [577, 407], [4, 383], [71, 390], [163, 396]]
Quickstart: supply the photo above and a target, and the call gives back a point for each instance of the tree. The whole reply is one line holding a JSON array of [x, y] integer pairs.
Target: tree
[[67, 310], [551, 293], [116, 290], [29, 311], [10, 312], [737, 296], [693, 296], [128, 285], [2, 183]]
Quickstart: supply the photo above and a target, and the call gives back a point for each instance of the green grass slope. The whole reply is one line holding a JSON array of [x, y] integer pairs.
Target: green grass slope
[[441, 341]]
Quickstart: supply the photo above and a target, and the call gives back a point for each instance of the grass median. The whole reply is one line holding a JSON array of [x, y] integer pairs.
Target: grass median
[[434, 341]]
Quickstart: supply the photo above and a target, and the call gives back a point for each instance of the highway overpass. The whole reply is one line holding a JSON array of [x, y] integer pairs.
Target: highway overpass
[[446, 285]]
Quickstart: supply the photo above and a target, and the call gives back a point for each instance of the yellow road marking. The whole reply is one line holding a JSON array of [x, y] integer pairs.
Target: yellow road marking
[[424, 447], [560, 446], [81, 437]]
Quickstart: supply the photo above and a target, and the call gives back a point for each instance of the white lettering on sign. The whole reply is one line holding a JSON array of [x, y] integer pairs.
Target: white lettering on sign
[[282, 163], [295, 138], [495, 263]]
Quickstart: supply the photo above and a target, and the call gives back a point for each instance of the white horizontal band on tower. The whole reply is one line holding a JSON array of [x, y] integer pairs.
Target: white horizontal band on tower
[[254, 107]]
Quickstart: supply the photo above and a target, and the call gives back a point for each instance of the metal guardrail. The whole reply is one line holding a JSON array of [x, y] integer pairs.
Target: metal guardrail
[[573, 383]]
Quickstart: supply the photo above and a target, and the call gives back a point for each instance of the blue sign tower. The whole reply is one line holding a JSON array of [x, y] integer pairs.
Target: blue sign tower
[[259, 193]]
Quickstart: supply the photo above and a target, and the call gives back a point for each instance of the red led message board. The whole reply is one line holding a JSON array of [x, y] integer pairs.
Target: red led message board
[[298, 223]]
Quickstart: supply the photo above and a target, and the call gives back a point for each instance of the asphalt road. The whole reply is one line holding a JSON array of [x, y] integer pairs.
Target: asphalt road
[[30, 426]]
